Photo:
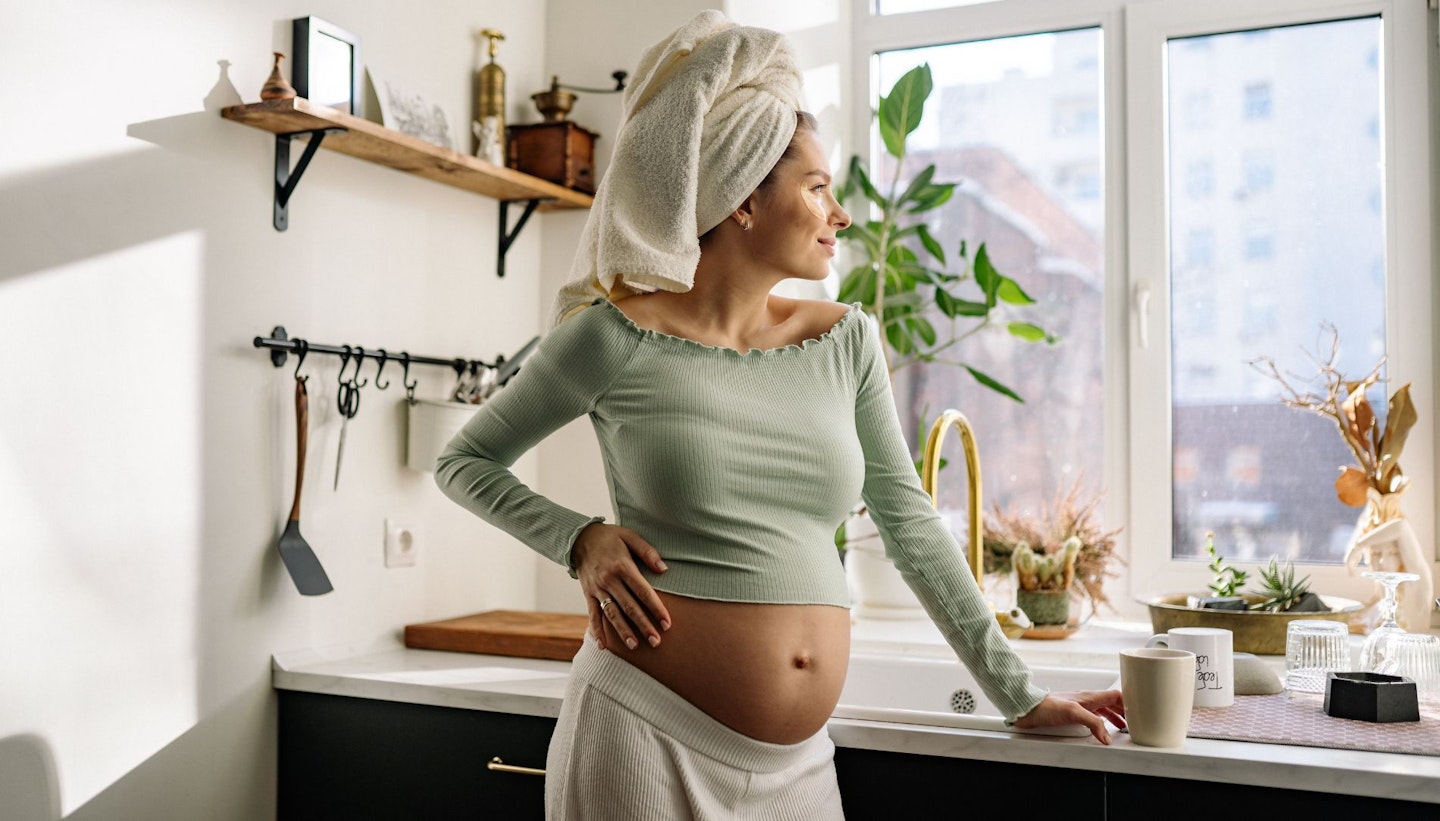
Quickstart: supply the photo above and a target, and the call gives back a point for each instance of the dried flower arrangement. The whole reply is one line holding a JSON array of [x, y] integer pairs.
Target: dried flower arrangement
[[1376, 474], [1383, 537], [1072, 515]]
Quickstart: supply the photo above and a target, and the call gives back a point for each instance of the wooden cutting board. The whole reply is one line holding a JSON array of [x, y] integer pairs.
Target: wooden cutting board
[[526, 633]]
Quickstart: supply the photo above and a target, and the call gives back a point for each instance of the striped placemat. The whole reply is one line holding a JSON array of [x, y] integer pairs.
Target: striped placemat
[[1276, 719]]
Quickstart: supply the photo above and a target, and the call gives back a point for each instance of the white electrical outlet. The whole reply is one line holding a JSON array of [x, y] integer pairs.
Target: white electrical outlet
[[400, 544]]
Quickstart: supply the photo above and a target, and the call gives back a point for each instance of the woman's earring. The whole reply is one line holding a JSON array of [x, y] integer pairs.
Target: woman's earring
[[745, 226]]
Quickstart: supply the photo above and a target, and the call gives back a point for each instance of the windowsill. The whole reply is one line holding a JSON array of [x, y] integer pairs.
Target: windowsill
[[1097, 644]]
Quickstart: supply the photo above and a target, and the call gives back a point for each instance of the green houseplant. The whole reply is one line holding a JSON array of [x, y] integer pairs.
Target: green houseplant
[[901, 273]]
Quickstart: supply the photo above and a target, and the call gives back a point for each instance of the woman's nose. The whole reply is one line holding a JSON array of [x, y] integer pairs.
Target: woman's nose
[[840, 218]]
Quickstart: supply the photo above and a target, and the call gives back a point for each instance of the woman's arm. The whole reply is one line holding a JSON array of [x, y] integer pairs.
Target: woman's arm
[[562, 380], [923, 550]]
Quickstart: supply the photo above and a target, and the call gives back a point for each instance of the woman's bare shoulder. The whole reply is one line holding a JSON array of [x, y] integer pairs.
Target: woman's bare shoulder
[[814, 316]]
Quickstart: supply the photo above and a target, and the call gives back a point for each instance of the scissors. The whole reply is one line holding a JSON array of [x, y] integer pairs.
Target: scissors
[[347, 401]]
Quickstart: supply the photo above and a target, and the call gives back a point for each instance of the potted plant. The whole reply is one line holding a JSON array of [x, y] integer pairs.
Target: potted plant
[[900, 276], [1044, 581], [900, 273], [1065, 548], [1226, 584], [1262, 617]]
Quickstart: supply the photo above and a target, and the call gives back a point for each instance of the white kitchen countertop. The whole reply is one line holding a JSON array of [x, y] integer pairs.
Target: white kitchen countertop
[[535, 687]]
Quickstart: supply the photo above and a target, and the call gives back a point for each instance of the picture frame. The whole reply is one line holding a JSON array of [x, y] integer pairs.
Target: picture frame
[[325, 67], [401, 108]]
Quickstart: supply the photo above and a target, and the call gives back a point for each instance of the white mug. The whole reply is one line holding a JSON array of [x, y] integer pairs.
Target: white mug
[[1156, 684], [1214, 661]]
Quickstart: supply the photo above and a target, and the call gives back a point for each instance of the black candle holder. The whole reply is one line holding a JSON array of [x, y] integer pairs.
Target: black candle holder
[[1371, 697]]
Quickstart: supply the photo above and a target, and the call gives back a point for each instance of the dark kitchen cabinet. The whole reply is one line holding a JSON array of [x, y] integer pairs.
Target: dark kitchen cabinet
[[356, 759], [882, 786]]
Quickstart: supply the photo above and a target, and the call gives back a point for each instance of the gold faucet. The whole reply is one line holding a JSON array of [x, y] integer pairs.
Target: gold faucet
[[1013, 622]]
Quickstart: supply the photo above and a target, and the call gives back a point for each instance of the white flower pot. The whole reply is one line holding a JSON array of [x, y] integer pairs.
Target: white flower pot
[[432, 423], [877, 590]]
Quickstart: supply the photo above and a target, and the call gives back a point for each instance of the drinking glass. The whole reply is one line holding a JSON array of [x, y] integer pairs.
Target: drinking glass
[[1415, 656], [1314, 648], [1373, 651]]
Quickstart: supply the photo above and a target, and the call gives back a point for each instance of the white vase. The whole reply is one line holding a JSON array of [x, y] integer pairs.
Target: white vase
[[877, 590], [1385, 540]]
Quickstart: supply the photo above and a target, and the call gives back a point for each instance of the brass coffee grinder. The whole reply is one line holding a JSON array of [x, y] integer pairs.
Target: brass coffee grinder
[[488, 126]]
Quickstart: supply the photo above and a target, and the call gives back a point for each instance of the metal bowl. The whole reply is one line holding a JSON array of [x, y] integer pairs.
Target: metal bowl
[[1255, 631]]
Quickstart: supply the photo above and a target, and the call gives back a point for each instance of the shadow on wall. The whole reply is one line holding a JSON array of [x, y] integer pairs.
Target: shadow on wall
[[173, 783], [42, 207], [27, 779], [221, 764]]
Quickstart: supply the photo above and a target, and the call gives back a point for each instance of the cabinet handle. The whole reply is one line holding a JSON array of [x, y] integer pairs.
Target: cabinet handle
[[500, 766]]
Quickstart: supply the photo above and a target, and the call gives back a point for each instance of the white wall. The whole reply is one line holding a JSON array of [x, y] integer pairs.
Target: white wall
[[146, 448]]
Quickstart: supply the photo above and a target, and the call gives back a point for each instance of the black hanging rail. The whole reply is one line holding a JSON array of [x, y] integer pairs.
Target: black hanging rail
[[281, 345]]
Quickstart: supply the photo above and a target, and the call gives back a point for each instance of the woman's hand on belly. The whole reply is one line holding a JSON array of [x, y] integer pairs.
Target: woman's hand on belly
[[769, 671], [616, 593]]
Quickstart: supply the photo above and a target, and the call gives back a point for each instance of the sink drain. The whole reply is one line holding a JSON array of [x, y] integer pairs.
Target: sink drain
[[962, 701]]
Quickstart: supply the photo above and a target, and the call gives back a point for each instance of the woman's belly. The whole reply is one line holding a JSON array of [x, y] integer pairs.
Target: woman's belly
[[770, 671]]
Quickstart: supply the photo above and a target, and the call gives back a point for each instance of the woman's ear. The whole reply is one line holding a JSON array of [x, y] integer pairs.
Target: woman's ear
[[744, 213]]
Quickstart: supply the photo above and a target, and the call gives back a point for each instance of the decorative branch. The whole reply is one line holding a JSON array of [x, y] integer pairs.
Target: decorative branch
[[1343, 401]]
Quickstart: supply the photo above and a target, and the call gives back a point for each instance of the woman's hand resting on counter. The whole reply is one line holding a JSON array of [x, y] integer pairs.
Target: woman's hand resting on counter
[[604, 557], [1087, 707]]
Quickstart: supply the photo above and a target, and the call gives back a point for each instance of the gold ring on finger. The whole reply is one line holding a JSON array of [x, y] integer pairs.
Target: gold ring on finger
[[606, 603]]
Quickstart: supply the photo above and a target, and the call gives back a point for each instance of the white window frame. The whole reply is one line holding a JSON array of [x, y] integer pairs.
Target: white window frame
[[1136, 420]]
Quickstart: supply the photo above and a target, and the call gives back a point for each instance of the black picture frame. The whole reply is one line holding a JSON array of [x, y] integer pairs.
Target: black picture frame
[[325, 66]]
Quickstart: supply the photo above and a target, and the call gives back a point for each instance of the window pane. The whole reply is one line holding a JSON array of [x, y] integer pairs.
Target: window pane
[[1278, 234], [1016, 122]]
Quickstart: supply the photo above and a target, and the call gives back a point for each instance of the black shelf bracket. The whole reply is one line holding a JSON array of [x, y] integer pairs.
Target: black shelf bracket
[[507, 237], [285, 178]]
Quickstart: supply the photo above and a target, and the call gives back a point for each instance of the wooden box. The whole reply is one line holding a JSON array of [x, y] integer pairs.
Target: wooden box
[[561, 152]]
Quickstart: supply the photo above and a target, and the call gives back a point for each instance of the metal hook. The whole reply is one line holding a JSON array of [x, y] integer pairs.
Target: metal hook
[[383, 357], [344, 360], [304, 348], [405, 377], [359, 360]]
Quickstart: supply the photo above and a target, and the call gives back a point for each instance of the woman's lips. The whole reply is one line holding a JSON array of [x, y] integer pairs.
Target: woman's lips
[[829, 246]]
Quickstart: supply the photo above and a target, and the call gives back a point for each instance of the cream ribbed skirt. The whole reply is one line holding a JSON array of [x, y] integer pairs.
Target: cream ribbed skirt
[[628, 747]]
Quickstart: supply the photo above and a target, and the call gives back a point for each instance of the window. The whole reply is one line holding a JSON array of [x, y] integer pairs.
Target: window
[[1257, 101], [1259, 172], [1259, 243], [1277, 175], [1315, 156]]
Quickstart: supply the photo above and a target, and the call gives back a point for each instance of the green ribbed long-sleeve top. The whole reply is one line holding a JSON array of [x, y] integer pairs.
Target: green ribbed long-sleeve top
[[737, 467]]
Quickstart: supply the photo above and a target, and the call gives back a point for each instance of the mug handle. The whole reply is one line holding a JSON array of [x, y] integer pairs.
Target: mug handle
[[1159, 640]]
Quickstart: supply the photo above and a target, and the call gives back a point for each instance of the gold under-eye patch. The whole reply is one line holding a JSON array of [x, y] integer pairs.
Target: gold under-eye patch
[[814, 199]]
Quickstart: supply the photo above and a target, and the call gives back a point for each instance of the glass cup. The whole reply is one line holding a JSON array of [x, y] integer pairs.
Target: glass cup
[[1415, 656], [1314, 648]]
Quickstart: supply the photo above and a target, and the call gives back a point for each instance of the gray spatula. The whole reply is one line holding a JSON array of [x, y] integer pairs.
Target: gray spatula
[[300, 560]]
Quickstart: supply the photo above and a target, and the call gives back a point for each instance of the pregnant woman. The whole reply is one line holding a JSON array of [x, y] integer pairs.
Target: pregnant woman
[[738, 428]]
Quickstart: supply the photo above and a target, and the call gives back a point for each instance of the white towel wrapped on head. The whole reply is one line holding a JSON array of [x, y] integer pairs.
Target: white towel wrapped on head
[[709, 112]]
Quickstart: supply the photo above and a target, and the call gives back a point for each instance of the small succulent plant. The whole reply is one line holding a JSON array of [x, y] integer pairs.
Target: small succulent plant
[[1279, 588], [1041, 571]]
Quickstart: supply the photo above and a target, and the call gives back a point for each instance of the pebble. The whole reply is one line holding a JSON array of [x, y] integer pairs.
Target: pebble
[[1253, 678]]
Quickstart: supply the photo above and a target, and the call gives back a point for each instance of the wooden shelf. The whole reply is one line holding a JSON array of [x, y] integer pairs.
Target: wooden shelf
[[385, 146]]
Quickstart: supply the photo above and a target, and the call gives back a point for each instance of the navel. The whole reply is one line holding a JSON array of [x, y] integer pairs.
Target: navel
[[802, 661]]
